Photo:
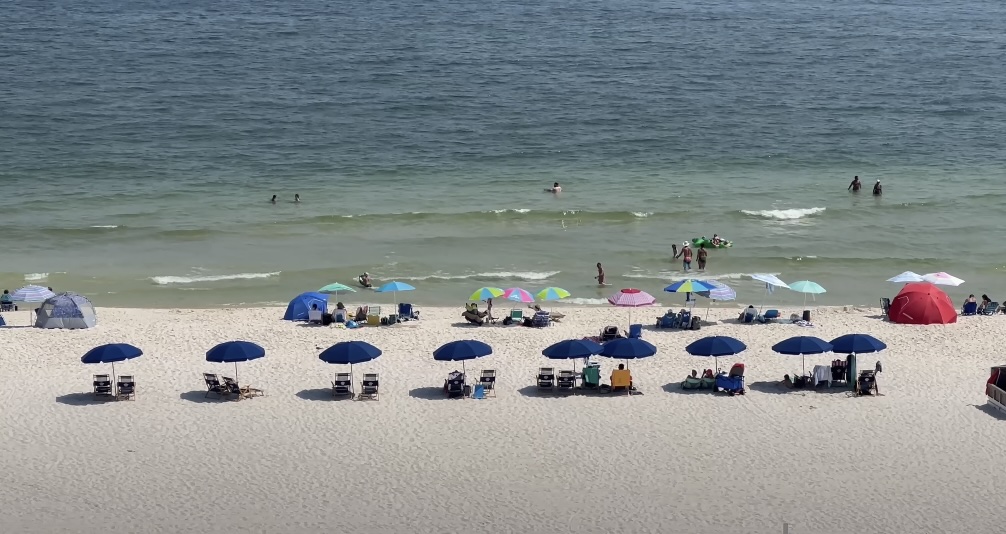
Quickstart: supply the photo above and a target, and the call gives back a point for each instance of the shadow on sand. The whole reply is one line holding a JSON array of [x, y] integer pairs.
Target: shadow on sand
[[199, 395], [991, 410], [321, 394], [428, 393], [82, 399]]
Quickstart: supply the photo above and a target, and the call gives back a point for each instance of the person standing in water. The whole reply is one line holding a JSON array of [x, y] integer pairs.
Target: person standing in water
[[273, 199], [296, 198], [686, 256], [556, 188], [877, 190], [855, 185], [703, 253], [600, 274]]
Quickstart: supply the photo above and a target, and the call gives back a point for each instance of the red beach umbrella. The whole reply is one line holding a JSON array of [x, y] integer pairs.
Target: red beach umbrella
[[922, 303]]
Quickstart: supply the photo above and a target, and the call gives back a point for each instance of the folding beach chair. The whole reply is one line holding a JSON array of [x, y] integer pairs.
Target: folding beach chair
[[991, 308], [546, 378], [369, 387], [517, 315], [540, 319], [488, 382], [866, 384], [407, 312], [103, 386], [970, 308], [636, 330], [213, 385], [125, 388], [342, 386], [374, 315], [240, 392], [455, 385], [621, 379], [590, 377], [885, 305], [566, 380]]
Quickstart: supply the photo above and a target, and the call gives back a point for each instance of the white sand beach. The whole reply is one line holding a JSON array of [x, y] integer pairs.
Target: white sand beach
[[920, 458]]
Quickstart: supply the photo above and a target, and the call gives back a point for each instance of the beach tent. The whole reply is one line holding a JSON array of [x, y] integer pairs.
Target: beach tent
[[66, 310], [301, 304], [922, 303]]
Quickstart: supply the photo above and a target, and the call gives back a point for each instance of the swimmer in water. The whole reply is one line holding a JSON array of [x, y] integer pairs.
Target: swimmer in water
[[855, 185], [600, 274], [273, 199], [556, 188], [365, 280], [877, 190], [296, 199]]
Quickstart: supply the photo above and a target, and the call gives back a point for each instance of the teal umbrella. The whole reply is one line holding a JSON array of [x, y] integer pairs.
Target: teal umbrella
[[336, 288], [807, 288]]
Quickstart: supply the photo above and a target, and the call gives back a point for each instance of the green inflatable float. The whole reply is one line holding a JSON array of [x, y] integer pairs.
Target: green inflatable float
[[709, 243]]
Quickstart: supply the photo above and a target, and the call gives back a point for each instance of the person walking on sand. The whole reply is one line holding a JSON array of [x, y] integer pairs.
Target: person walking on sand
[[855, 185], [600, 274], [686, 256], [702, 256]]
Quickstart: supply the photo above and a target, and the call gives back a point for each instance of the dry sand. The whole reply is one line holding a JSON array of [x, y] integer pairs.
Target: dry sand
[[925, 457]]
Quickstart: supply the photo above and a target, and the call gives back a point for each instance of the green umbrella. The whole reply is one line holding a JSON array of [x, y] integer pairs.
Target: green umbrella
[[336, 288], [807, 288], [486, 293]]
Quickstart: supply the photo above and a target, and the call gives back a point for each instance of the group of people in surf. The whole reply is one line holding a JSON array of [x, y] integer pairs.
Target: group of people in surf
[[856, 185]]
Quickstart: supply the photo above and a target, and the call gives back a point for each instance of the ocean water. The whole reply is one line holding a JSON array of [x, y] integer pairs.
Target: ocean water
[[140, 142]]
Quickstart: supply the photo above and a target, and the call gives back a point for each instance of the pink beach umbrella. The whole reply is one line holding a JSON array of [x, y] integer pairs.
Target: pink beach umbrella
[[518, 295], [631, 298], [942, 278]]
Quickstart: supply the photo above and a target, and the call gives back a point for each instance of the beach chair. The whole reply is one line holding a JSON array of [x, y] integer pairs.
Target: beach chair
[[608, 333], [342, 386], [407, 311], [885, 305], [103, 387], [732, 383], [991, 308], [866, 384], [315, 316], [213, 385], [636, 330], [769, 317], [340, 316], [374, 315], [566, 380], [546, 378], [241, 392], [370, 387], [125, 388], [7, 306], [540, 319], [590, 377], [517, 315], [691, 382], [621, 380], [666, 321], [748, 318], [488, 382], [970, 308], [685, 320], [455, 385]]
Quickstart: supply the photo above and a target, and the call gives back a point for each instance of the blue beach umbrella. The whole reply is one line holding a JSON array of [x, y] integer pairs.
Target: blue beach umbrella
[[716, 346], [394, 288], [628, 348], [857, 344], [461, 350], [234, 352], [349, 353], [572, 349], [111, 353], [801, 346]]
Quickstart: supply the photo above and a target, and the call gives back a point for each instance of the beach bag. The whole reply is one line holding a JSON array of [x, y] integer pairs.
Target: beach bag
[[507, 321], [351, 324], [696, 323]]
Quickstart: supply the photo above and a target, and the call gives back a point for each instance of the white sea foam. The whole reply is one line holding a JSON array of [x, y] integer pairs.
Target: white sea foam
[[642, 214], [695, 275], [513, 210], [496, 275], [177, 280], [32, 277], [104, 226], [585, 302], [571, 212], [784, 215]]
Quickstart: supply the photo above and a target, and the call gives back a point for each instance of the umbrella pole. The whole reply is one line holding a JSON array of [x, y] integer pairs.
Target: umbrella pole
[[236, 372], [113, 372], [804, 364]]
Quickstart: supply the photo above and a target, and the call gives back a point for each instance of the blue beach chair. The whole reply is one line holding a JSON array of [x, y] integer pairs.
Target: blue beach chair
[[636, 330], [970, 308]]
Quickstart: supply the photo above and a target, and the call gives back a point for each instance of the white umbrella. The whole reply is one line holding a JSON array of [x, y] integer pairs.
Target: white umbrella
[[906, 277], [942, 278], [32, 293], [771, 282], [719, 292]]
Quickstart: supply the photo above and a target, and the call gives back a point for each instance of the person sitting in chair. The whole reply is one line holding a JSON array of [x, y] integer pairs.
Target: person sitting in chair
[[750, 310], [7, 302], [985, 304], [786, 382], [621, 378], [365, 280]]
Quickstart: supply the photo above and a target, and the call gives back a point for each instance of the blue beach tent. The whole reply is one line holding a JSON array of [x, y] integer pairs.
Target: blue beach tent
[[301, 304]]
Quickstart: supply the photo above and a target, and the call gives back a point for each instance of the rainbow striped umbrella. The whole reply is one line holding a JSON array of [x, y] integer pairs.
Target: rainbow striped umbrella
[[517, 294], [552, 293], [486, 293], [689, 286]]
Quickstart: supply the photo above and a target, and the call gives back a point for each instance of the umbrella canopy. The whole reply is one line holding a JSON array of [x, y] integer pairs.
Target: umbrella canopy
[[32, 294], [716, 346], [392, 287], [628, 348], [349, 353], [113, 352], [517, 294], [689, 286], [336, 288], [770, 280], [552, 293], [719, 291], [806, 286], [572, 349], [802, 346], [631, 298], [462, 349], [299, 308], [234, 351], [942, 278], [857, 344], [922, 303], [486, 293], [906, 277]]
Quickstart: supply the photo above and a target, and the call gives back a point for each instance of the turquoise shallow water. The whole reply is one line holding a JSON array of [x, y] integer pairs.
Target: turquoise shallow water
[[139, 144]]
